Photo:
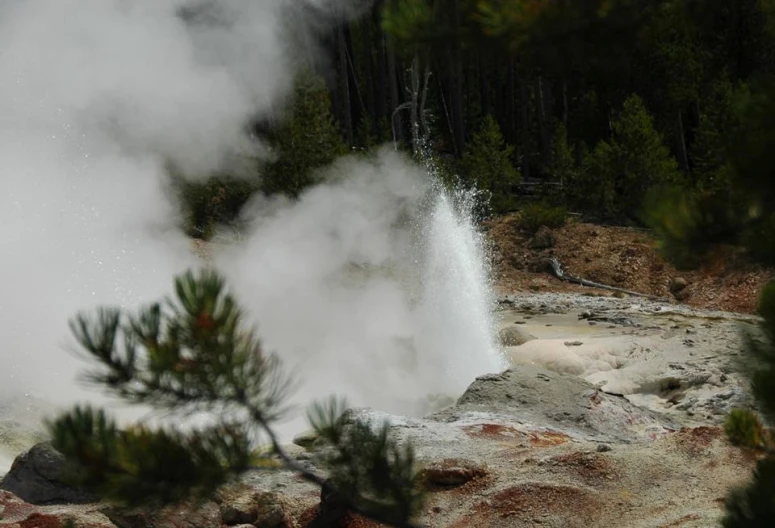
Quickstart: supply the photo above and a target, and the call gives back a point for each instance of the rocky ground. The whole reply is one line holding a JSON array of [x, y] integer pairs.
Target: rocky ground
[[675, 360], [609, 415], [528, 447]]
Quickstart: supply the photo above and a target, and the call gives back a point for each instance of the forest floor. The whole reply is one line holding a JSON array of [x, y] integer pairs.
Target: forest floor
[[622, 257]]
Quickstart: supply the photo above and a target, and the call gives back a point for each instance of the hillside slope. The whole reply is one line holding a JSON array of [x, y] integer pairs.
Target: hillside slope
[[622, 257]]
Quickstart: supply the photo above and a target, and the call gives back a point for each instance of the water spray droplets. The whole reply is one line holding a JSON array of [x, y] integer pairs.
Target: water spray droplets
[[456, 331]]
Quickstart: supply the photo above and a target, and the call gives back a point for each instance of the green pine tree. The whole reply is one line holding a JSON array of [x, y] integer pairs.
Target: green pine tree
[[208, 204], [618, 173], [732, 203], [487, 164], [709, 210], [307, 141], [709, 153], [365, 135], [562, 166], [194, 353], [754, 504]]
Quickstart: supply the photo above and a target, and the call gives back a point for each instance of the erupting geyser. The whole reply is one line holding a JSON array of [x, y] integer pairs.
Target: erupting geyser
[[374, 285], [456, 327]]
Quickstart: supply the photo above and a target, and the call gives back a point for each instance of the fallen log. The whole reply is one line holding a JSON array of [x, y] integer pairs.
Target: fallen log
[[560, 274]]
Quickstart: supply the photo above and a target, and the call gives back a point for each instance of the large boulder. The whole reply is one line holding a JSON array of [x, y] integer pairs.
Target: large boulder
[[677, 284], [513, 336], [36, 476], [512, 454], [564, 402], [679, 288]]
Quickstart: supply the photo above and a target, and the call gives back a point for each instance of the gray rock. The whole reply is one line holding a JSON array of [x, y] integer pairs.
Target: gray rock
[[36, 476], [249, 506], [682, 295], [677, 284], [241, 511], [182, 515], [561, 401], [305, 439], [513, 336]]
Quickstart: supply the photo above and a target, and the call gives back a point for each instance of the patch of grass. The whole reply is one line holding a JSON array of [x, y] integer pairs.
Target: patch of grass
[[743, 428]]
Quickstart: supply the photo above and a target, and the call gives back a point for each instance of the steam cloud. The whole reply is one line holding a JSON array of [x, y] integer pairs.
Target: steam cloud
[[371, 286], [98, 94]]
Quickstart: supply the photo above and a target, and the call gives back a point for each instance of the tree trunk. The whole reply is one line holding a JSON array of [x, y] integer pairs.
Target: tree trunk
[[445, 88], [396, 120], [456, 102], [683, 158], [344, 85], [483, 86], [415, 103], [511, 109], [543, 125], [380, 88], [359, 110], [456, 65], [565, 103], [426, 130], [371, 109], [524, 112], [460, 123]]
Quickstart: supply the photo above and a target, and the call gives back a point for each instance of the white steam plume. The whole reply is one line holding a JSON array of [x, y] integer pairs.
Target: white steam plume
[[96, 96], [371, 287], [99, 94]]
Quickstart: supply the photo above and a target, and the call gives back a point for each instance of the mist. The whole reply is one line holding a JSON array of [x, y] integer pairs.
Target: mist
[[344, 284], [367, 287], [97, 96]]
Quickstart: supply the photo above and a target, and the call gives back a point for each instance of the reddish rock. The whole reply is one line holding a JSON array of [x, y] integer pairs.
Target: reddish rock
[[13, 508], [451, 472], [493, 432], [548, 438], [591, 467], [557, 505], [44, 520], [15, 513]]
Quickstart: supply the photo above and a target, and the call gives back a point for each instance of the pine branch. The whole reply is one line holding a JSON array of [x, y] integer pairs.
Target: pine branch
[[193, 354], [134, 465], [324, 420]]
